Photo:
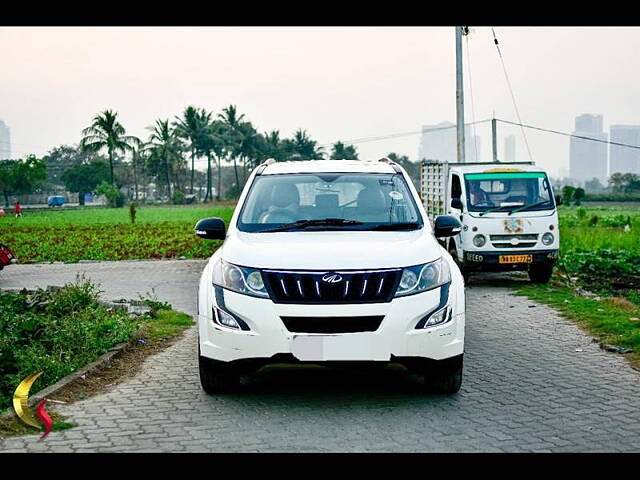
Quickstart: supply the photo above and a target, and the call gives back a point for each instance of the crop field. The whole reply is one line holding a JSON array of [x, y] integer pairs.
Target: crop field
[[597, 250], [108, 234]]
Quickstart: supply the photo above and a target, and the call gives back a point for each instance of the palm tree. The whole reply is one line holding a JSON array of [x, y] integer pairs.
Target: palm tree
[[106, 132], [340, 151], [231, 119], [302, 147], [164, 150], [191, 128], [273, 145]]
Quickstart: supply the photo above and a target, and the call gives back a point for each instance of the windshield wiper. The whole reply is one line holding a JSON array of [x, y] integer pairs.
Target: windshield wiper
[[494, 209], [397, 226], [324, 222], [524, 207]]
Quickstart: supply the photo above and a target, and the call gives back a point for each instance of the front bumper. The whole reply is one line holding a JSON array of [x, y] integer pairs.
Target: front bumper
[[490, 260], [395, 337]]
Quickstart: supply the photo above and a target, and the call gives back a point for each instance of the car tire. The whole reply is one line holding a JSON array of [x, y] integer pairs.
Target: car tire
[[446, 376], [217, 377], [540, 272]]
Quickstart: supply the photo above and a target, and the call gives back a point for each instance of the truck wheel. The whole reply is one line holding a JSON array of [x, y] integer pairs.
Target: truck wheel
[[540, 272], [216, 377], [446, 376]]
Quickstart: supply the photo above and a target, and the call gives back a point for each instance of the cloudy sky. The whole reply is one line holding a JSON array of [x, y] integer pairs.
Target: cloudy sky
[[338, 83]]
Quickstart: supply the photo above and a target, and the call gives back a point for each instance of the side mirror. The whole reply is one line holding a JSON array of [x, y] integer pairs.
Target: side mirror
[[456, 203], [446, 226], [210, 228]]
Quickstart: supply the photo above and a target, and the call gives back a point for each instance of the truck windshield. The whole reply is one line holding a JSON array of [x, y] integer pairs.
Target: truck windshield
[[508, 192], [329, 201]]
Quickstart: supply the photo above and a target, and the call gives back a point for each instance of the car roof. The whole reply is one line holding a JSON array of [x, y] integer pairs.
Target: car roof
[[328, 166]]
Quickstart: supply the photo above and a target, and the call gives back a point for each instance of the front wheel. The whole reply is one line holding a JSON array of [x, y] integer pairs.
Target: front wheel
[[540, 272], [217, 377], [446, 376]]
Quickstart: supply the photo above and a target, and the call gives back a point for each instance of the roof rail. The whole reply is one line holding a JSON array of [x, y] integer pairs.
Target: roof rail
[[264, 165]]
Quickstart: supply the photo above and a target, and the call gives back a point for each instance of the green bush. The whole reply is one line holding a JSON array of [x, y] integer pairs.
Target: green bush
[[178, 198], [57, 332], [115, 198]]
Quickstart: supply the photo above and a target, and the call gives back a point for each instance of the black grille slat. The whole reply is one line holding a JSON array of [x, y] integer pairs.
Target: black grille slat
[[355, 287], [332, 324]]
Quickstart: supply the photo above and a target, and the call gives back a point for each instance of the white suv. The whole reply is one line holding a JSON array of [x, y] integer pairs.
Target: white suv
[[330, 262]]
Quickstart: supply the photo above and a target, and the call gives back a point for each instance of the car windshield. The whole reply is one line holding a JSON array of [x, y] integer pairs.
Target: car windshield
[[329, 201], [508, 192]]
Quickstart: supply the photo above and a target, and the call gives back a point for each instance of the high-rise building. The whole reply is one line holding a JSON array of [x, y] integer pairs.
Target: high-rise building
[[624, 159], [441, 143], [5, 141], [588, 158], [509, 148]]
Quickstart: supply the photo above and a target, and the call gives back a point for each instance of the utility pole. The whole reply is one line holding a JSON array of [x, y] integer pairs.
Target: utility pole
[[459, 93], [494, 135]]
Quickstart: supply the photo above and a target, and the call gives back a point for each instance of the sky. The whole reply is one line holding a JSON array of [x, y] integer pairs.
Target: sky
[[338, 83]]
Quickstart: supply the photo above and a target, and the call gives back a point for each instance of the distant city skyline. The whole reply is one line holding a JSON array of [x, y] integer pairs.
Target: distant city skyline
[[5, 141], [588, 159]]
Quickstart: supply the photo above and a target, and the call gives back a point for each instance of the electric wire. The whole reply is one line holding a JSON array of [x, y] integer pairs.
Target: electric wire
[[513, 97]]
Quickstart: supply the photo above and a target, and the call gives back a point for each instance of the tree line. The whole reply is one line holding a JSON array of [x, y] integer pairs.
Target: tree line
[[108, 159]]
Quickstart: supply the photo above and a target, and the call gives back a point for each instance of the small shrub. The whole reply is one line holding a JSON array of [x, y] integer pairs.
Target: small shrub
[[594, 221], [581, 212], [132, 212], [114, 196], [178, 198]]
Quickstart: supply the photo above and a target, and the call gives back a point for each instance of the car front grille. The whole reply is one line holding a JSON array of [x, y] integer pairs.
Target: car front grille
[[332, 287], [524, 240], [332, 324]]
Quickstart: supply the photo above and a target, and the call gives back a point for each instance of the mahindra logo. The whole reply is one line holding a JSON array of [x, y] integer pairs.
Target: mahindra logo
[[332, 278]]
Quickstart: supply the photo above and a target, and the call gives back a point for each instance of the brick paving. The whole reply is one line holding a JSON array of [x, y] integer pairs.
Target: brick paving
[[525, 388]]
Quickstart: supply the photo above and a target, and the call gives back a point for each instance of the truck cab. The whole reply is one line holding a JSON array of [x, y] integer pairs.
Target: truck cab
[[508, 213]]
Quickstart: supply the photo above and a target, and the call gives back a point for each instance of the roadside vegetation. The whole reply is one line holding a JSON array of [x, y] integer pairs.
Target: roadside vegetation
[[109, 234], [597, 283], [61, 330]]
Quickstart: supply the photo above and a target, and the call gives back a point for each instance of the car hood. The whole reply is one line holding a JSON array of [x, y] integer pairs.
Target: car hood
[[330, 250]]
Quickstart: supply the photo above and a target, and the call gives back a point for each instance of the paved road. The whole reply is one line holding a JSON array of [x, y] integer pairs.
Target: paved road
[[525, 388]]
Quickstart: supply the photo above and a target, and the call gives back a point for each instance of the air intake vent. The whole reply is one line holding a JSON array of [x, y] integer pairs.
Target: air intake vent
[[332, 324]]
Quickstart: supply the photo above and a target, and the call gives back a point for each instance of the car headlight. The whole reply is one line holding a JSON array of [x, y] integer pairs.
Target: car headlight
[[479, 240], [422, 278], [245, 280], [547, 238]]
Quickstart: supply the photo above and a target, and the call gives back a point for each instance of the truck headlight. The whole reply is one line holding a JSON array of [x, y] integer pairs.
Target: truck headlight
[[547, 238], [245, 280], [422, 278], [479, 240]]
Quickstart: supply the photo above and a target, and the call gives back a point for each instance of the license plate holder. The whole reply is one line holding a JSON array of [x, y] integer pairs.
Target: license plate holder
[[356, 346], [523, 258]]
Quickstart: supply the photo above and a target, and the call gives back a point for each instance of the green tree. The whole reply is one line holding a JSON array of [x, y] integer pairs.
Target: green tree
[[60, 159], [567, 194], [192, 128], [21, 176], [340, 151], [232, 120], [164, 152], [112, 192], [106, 132], [85, 178], [593, 186], [578, 195], [302, 147]]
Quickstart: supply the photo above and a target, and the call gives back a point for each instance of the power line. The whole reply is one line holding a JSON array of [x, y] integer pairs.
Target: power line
[[548, 130], [513, 97], [397, 135]]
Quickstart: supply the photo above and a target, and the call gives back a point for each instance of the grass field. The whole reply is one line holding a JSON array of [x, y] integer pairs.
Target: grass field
[[107, 233]]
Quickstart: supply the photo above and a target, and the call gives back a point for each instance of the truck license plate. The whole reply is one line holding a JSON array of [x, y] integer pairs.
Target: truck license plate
[[515, 258]]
